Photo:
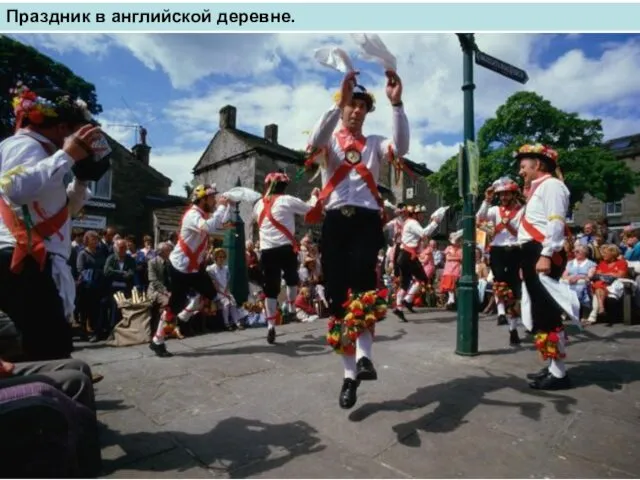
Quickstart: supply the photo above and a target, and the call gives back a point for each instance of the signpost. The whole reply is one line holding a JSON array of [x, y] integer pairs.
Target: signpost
[[467, 294]]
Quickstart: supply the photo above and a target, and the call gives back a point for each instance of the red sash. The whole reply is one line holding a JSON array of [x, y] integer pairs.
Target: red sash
[[533, 232], [347, 143], [35, 248], [193, 256], [505, 222], [413, 251], [267, 205]]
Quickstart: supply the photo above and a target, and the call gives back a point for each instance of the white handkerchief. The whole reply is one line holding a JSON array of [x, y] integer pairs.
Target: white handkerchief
[[335, 58], [373, 48], [242, 194]]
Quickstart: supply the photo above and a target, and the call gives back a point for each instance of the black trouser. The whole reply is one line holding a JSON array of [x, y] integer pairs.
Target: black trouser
[[505, 266], [183, 283], [351, 240], [396, 252], [545, 312], [276, 263], [31, 299], [410, 268]]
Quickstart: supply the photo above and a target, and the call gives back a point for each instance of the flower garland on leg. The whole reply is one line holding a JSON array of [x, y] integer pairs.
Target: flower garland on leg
[[552, 348], [504, 297], [352, 337], [509, 305]]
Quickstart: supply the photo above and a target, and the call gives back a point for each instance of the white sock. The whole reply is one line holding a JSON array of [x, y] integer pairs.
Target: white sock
[[452, 298], [271, 310], [557, 368], [501, 310], [593, 316], [412, 292], [513, 323], [399, 298], [158, 338], [225, 315], [364, 345], [349, 362]]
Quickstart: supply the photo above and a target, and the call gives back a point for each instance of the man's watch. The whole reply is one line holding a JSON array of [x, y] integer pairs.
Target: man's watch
[[399, 104]]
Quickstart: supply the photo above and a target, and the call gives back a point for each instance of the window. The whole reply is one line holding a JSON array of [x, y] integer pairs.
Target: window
[[613, 209], [409, 194], [102, 188]]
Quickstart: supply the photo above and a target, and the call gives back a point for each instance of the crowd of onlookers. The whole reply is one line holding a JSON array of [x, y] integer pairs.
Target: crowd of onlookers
[[600, 260]]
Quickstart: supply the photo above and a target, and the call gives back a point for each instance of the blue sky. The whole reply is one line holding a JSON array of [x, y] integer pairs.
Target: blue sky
[[175, 84]]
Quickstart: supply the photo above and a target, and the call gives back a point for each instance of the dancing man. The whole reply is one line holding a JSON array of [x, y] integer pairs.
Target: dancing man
[[275, 214], [53, 139], [352, 231], [505, 251], [542, 234], [395, 227], [187, 269], [411, 270]]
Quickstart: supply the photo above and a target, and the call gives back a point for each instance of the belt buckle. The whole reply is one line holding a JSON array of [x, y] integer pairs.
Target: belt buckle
[[348, 211]]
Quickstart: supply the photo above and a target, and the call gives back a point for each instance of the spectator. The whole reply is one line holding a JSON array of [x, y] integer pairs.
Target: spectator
[[609, 237], [605, 282], [633, 246], [578, 275], [119, 271], [91, 291]]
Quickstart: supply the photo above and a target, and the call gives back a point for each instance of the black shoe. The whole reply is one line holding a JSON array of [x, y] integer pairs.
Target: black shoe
[[514, 338], [538, 375], [160, 350], [366, 370], [400, 314], [348, 395], [408, 306], [271, 336], [502, 320], [551, 383]]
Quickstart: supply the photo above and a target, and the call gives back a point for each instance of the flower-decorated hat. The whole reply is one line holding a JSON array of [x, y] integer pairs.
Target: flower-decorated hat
[[202, 191], [35, 107], [539, 152], [505, 184], [360, 93], [276, 177]]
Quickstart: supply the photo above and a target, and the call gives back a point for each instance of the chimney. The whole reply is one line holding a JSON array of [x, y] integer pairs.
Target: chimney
[[228, 117], [271, 133], [141, 152]]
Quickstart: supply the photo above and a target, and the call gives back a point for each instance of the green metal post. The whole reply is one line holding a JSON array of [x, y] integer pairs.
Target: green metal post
[[467, 331], [234, 243]]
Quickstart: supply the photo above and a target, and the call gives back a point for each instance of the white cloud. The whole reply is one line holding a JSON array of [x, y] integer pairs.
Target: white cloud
[[177, 165]]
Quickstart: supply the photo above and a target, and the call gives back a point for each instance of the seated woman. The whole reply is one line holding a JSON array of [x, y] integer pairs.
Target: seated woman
[[578, 275], [605, 281]]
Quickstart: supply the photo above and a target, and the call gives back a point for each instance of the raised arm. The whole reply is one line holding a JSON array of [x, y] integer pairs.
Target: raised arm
[[217, 220]]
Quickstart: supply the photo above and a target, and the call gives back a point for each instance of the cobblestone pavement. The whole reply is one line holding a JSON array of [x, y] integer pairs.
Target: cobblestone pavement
[[230, 405]]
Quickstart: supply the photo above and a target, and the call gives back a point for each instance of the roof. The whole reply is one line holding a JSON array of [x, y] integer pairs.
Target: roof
[[624, 146], [419, 168], [117, 145], [253, 143], [164, 201], [170, 217]]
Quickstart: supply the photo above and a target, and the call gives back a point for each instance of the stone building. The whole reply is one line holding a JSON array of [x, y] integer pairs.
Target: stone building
[[127, 194], [625, 211], [234, 155]]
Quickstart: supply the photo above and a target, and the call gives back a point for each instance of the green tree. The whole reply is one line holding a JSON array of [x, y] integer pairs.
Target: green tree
[[526, 117], [19, 62]]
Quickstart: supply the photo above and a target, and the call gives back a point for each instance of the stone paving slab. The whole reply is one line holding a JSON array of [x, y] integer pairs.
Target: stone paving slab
[[229, 405]]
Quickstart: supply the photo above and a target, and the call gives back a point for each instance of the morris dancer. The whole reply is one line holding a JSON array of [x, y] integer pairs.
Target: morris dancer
[[395, 227], [542, 235], [187, 270], [275, 214], [505, 251], [352, 231], [411, 271], [53, 138]]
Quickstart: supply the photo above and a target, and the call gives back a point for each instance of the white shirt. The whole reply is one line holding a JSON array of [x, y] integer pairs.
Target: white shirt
[[194, 231], [395, 226], [504, 238], [412, 232], [284, 210], [221, 275], [546, 210], [39, 185], [353, 190]]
